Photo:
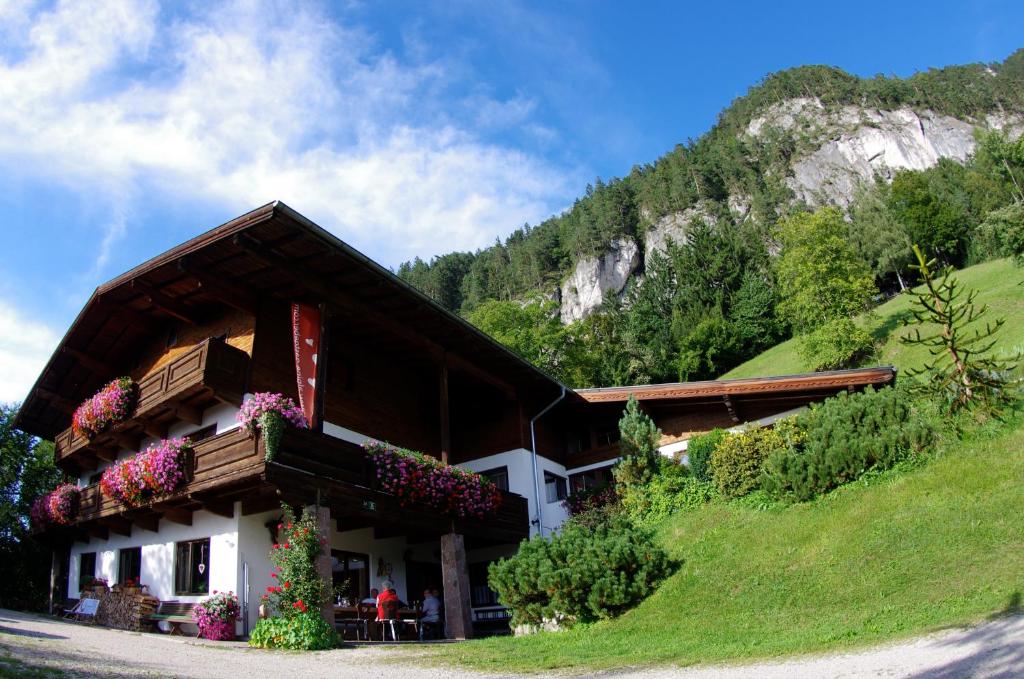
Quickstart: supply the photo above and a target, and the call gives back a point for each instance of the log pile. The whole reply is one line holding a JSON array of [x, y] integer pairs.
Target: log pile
[[123, 609]]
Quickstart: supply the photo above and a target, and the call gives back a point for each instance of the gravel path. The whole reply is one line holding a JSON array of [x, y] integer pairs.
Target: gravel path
[[993, 650]]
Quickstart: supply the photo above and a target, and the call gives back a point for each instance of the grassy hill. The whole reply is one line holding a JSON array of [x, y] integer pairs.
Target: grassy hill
[[900, 554], [999, 284], [894, 554]]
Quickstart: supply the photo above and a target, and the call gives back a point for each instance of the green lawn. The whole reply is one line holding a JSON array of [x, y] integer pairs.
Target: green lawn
[[998, 284], [905, 553]]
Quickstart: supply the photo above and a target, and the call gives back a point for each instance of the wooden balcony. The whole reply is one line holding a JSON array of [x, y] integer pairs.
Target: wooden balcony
[[221, 466], [211, 371]]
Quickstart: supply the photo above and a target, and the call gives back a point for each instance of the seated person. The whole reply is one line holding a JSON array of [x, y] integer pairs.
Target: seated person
[[372, 599], [431, 612], [387, 593]]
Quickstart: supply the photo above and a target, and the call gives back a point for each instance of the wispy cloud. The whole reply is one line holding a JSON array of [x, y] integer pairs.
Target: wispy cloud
[[24, 347], [254, 101]]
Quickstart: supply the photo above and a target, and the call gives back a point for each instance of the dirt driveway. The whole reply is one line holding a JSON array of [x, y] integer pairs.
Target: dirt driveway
[[36, 646]]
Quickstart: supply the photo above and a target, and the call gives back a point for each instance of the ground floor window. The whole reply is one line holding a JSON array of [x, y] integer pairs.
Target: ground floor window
[[353, 568], [129, 565], [480, 592], [555, 487], [192, 567], [86, 569]]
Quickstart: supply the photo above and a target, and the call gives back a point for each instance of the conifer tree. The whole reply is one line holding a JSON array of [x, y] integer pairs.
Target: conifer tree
[[639, 438], [963, 370]]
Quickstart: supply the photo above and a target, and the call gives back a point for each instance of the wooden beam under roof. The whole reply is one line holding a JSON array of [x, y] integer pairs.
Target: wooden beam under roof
[[57, 400], [105, 370], [233, 295], [164, 303]]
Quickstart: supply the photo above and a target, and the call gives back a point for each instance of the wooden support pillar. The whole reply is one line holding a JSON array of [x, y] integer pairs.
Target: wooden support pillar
[[323, 562], [446, 435], [455, 575], [54, 568]]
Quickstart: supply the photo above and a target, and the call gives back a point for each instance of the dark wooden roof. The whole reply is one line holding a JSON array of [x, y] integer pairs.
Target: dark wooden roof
[[783, 384], [272, 251]]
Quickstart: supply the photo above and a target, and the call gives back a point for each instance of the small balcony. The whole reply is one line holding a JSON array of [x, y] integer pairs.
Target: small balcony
[[211, 371]]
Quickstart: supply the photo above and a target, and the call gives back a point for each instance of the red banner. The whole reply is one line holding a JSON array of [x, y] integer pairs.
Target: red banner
[[306, 338]]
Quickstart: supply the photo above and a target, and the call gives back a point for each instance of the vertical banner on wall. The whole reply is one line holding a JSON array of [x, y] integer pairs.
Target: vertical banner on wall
[[306, 337]]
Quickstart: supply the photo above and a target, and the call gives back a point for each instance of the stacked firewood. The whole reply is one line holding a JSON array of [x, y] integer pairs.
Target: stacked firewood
[[124, 610]]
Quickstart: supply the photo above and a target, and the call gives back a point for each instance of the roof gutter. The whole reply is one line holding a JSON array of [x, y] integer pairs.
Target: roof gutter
[[533, 450]]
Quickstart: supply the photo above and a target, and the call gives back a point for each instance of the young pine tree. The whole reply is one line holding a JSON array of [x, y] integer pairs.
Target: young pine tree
[[639, 443], [963, 370]]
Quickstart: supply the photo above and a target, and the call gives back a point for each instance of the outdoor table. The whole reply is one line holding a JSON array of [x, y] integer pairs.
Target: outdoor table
[[405, 615]]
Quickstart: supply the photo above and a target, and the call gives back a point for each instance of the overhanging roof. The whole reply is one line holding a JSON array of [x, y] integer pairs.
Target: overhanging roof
[[784, 384], [270, 252]]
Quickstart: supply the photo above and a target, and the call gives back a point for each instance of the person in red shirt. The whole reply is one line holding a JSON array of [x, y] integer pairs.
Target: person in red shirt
[[387, 593]]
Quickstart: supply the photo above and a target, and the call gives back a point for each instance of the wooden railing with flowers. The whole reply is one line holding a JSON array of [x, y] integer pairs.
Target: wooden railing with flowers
[[231, 457], [210, 371]]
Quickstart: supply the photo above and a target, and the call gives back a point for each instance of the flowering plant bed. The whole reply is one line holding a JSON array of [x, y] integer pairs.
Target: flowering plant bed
[[57, 507], [158, 470], [416, 478], [216, 616], [111, 404], [268, 413]]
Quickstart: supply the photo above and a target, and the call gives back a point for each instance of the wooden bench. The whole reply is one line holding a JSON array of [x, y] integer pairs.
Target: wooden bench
[[174, 613]]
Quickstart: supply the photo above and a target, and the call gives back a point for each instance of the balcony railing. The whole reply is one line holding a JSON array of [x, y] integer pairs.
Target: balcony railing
[[211, 371], [229, 458]]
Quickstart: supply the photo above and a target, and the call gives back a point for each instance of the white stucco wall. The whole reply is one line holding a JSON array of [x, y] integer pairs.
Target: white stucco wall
[[520, 480]]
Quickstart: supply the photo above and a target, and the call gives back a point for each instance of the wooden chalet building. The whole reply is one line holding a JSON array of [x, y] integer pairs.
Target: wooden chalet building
[[204, 325]]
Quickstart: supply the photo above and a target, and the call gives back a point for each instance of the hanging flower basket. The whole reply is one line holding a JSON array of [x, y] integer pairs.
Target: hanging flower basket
[[58, 507], [157, 471], [112, 404], [416, 478], [267, 414]]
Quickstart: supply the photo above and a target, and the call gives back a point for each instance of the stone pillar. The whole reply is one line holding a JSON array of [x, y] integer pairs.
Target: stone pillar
[[458, 611], [323, 562]]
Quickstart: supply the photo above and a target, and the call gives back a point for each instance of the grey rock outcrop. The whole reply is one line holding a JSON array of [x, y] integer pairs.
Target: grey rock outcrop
[[594, 278], [674, 227]]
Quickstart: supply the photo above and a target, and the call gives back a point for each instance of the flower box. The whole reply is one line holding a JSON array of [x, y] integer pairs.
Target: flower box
[[267, 413], [159, 470], [418, 479], [111, 404], [58, 507]]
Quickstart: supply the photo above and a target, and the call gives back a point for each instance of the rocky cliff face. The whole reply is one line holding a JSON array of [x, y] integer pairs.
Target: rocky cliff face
[[594, 278], [836, 149], [849, 145]]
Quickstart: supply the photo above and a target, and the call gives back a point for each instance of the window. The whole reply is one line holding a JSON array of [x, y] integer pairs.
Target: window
[[497, 476], [352, 567], [555, 487], [204, 433], [595, 478], [192, 567], [86, 569], [129, 565], [480, 592]]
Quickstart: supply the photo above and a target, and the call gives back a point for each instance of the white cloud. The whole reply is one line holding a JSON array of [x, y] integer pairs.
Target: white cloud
[[25, 345], [257, 101]]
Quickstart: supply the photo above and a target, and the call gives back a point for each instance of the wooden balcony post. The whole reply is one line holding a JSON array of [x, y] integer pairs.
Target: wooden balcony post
[[458, 609], [446, 436], [323, 562]]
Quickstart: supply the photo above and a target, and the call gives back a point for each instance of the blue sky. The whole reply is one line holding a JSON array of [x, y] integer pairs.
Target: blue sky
[[407, 128]]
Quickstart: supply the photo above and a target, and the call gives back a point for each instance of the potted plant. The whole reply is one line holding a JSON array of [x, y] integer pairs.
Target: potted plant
[[267, 413], [216, 616]]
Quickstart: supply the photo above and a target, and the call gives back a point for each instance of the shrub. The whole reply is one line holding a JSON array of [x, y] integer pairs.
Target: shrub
[[699, 450], [845, 436], [638, 438], [582, 574], [840, 343], [663, 496], [737, 461], [303, 632]]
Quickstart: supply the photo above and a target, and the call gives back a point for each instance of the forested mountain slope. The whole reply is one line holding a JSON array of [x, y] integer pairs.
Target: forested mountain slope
[[668, 272]]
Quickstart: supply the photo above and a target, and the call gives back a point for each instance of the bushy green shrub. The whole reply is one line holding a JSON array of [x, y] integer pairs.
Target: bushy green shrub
[[846, 436], [582, 574], [699, 450], [303, 632], [840, 343], [737, 461], [663, 495]]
